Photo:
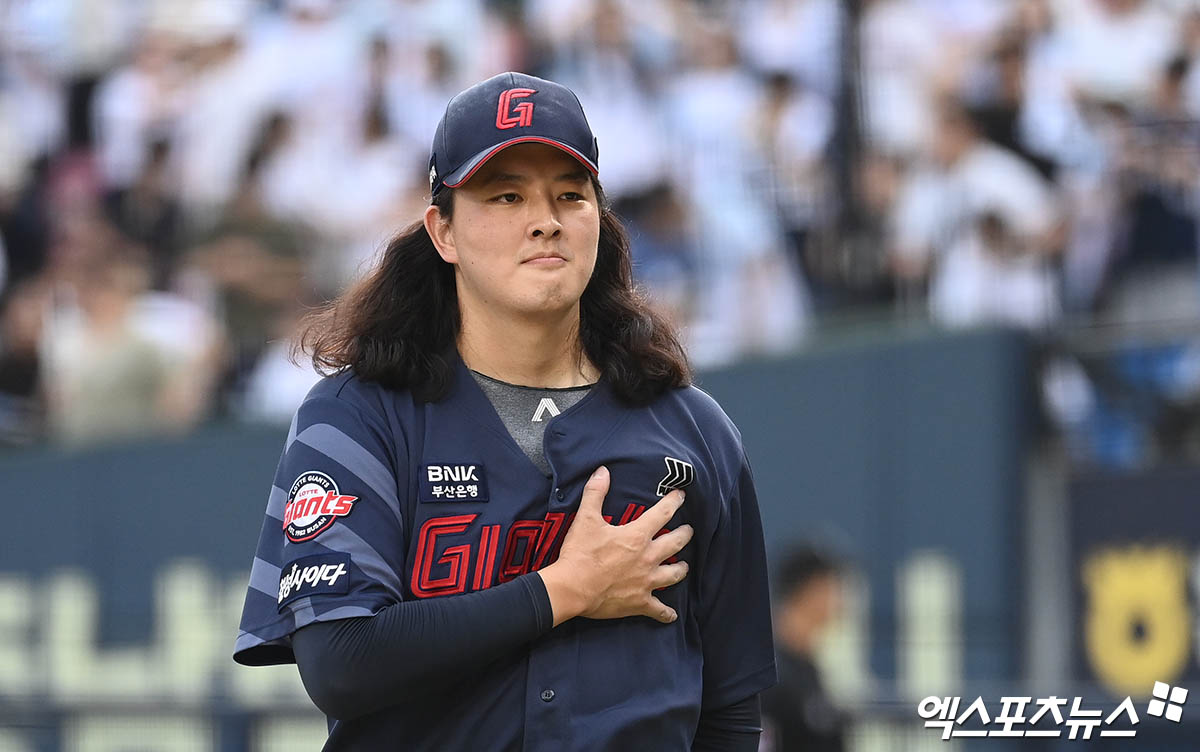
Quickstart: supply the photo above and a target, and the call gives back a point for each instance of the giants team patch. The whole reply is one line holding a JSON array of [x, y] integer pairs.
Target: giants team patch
[[453, 483], [313, 504], [326, 573]]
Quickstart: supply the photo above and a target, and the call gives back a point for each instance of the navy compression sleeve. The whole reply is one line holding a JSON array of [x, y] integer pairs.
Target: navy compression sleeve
[[352, 667], [733, 728]]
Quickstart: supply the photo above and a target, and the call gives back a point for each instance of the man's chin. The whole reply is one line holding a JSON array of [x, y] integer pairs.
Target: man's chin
[[551, 307]]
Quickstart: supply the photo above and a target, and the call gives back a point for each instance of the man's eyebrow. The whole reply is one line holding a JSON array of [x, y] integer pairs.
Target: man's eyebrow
[[574, 176]]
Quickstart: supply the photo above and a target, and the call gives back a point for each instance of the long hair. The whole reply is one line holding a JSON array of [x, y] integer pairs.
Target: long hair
[[397, 326]]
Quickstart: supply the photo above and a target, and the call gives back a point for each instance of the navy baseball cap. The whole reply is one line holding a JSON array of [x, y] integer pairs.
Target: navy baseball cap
[[508, 109]]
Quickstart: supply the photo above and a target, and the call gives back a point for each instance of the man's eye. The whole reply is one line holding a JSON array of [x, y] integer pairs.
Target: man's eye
[[573, 196], [506, 198]]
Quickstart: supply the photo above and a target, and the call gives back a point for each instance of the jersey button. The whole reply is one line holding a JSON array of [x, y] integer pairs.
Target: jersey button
[[547, 695], [558, 494]]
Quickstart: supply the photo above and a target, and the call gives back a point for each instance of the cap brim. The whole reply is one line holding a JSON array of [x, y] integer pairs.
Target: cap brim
[[464, 173]]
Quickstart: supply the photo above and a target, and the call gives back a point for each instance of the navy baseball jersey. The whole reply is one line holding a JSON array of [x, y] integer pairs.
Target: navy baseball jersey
[[380, 498]]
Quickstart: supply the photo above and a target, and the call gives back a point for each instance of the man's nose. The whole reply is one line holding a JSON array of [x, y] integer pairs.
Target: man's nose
[[545, 220]]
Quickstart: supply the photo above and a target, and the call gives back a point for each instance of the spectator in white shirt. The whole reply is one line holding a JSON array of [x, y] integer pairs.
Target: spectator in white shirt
[[134, 105], [942, 207], [1116, 48]]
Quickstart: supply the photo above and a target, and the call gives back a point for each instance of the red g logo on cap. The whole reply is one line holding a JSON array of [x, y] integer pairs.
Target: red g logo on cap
[[521, 113]]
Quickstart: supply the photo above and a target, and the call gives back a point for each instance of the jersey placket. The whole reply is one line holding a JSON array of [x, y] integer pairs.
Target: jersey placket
[[549, 686], [551, 671]]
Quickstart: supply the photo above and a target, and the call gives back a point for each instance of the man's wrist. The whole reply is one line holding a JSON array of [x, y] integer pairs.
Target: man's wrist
[[566, 599]]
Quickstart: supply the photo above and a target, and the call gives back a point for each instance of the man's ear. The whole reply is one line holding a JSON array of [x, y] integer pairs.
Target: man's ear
[[439, 232]]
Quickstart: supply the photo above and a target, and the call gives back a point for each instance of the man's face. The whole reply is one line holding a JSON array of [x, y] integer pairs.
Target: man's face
[[523, 233]]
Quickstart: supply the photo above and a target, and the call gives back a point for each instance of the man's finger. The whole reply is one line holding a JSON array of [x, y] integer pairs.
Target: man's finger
[[594, 491], [667, 545], [668, 575], [659, 611], [656, 517]]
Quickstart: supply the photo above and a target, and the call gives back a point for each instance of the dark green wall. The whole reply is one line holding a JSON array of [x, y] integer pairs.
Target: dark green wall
[[894, 443]]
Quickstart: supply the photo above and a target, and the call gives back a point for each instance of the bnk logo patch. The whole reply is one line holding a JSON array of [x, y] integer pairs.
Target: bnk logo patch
[[453, 482], [313, 504]]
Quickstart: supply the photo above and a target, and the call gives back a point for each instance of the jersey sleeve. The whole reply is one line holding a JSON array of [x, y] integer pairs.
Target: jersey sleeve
[[735, 609], [332, 544]]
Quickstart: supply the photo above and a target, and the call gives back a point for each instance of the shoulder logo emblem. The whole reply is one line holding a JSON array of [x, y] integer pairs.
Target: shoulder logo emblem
[[313, 504], [679, 474], [545, 406]]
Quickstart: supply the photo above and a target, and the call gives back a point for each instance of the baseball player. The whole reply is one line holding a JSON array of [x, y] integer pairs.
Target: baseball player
[[477, 537]]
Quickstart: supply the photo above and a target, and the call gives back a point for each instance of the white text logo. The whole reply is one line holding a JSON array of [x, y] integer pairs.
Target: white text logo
[[309, 576], [440, 473]]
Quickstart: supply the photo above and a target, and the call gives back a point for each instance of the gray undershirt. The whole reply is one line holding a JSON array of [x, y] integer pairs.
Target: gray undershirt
[[526, 410]]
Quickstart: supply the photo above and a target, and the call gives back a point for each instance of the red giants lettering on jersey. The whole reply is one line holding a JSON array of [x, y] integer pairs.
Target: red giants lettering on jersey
[[482, 560], [313, 504], [454, 558]]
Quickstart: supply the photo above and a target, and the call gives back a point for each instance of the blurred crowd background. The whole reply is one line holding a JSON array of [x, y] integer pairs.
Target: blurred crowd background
[[180, 179]]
